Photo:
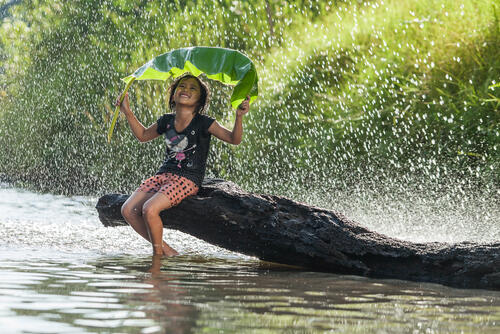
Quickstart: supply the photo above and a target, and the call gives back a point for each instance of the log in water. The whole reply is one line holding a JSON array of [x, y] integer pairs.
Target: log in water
[[277, 229]]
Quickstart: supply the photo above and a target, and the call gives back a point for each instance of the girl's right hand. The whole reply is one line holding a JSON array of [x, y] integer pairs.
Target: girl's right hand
[[244, 107], [124, 106]]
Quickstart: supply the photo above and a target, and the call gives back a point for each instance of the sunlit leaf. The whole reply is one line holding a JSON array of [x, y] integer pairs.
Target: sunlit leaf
[[224, 65]]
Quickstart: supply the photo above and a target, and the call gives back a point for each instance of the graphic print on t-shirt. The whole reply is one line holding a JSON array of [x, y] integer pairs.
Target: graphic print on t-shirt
[[177, 144]]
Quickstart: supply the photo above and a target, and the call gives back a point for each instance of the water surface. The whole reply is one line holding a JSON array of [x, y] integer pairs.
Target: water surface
[[62, 272]]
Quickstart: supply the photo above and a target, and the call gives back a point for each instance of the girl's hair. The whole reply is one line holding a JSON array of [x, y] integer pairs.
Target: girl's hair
[[204, 94]]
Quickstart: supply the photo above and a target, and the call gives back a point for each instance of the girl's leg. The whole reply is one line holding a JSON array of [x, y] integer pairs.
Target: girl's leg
[[151, 214], [132, 212], [161, 192]]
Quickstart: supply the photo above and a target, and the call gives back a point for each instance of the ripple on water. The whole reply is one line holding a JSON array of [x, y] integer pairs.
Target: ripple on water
[[60, 272], [240, 295]]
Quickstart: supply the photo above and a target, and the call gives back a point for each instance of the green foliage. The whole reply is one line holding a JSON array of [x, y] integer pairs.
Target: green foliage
[[62, 67], [350, 90], [398, 92]]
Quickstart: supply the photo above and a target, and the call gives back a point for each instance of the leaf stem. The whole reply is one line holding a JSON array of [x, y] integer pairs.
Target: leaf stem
[[117, 111]]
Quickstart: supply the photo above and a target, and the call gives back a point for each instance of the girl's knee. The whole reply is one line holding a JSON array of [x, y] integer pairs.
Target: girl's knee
[[148, 212], [129, 210], [126, 210]]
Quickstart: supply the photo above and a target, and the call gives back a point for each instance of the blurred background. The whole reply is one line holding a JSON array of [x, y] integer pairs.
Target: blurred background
[[385, 110]]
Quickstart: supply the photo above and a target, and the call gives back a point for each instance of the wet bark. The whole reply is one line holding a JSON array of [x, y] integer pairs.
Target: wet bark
[[278, 229]]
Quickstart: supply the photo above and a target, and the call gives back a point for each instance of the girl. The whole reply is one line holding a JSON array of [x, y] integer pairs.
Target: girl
[[187, 134]]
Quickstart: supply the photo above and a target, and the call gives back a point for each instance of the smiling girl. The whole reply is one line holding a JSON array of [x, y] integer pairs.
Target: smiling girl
[[187, 136]]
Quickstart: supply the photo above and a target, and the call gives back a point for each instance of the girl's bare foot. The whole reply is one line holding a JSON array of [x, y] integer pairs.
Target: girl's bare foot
[[169, 251]]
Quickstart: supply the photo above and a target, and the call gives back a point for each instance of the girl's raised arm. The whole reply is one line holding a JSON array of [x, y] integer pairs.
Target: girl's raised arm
[[232, 137], [142, 133]]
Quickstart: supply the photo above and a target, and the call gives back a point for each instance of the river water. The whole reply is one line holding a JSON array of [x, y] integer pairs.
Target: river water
[[62, 272]]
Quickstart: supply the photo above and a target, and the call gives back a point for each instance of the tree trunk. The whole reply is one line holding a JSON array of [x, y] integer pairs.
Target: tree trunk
[[277, 229]]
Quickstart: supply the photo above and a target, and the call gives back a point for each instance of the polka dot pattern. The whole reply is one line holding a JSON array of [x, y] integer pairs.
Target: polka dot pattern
[[175, 187]]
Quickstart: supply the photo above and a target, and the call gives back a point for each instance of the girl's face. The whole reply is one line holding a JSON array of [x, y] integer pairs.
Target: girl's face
[[188, 92]]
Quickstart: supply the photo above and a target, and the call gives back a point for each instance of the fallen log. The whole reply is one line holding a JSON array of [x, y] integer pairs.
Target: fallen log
[[278, 229]]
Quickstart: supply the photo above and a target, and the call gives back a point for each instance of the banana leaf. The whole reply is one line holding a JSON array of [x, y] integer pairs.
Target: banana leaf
[[225, 65]]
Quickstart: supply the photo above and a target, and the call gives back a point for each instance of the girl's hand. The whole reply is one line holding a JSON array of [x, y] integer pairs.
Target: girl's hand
[[244, 107], [124, 106]]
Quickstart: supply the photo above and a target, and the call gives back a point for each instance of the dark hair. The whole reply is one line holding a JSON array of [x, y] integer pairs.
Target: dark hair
[[204, 93]]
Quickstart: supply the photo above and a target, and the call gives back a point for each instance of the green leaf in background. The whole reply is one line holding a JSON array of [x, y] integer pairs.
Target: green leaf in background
[[225, 65]]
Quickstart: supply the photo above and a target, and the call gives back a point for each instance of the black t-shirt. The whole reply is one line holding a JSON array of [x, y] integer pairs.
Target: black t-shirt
[[187, 151]]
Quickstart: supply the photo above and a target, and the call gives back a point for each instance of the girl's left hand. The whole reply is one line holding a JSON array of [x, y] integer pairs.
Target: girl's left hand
[[244, 107]]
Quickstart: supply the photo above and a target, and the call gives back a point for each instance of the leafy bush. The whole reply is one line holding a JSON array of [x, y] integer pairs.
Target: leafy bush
[[351, 92]]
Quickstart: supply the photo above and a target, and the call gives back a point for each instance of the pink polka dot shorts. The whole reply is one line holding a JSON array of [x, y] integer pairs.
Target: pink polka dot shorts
[[175, 187]]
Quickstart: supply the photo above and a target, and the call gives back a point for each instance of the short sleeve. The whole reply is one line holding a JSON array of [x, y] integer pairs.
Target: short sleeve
[[162, 124], [206, 121]]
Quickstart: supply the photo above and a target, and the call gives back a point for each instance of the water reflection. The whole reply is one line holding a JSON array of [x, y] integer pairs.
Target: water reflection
[[130, 294], [169, 300], [59, 274]]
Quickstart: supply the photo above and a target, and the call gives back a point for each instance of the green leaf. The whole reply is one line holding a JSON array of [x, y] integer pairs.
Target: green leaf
[[225, 65]]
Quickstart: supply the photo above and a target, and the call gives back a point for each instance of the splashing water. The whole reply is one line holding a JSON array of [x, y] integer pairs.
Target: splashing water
[[360, 110], [386, 111], [71, 225], [61, 271]]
